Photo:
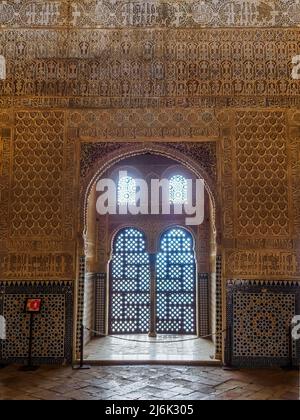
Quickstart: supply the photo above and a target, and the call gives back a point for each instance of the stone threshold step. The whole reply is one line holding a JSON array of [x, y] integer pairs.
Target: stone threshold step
[[212, 362]]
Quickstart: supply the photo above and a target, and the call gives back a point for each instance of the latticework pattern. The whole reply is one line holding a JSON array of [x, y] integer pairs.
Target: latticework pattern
[[130, 284], [176, 284], [178, 190]]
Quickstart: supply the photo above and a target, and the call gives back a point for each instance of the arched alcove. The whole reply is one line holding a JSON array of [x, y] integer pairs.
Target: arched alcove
[[97, 274]]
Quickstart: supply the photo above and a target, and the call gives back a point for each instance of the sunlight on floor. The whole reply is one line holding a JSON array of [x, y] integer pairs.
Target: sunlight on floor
[[143, 348]]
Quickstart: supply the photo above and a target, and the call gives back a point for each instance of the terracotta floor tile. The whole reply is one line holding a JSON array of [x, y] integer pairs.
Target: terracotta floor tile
[[148, 383]]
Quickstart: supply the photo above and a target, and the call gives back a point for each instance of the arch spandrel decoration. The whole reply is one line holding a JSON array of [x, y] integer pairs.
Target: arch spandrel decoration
[[200, 158]]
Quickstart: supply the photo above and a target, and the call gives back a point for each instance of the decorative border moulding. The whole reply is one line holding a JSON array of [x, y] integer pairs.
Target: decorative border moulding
[[211, 101], [145, 124], [151, 13], [245, 283], [269, 264]]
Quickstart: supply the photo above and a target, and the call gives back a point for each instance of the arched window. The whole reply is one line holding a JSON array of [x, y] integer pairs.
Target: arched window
[[176, 283], [178, 190], [126, 190], [129, 284]]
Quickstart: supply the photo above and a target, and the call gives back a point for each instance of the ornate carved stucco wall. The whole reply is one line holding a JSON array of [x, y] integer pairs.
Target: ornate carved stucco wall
[[158, 71], [150, 13]]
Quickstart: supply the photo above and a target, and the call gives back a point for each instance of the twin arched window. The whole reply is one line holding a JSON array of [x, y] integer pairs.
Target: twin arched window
[[178, 190], [175, 278]]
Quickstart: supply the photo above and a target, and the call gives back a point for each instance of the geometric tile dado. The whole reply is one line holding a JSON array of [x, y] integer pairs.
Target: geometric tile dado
[[264, 330], [17, 325], [260, 316], [52, 327]]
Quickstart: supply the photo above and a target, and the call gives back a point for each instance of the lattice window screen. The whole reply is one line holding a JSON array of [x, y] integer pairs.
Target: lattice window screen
[[176, 283], [129, 284]]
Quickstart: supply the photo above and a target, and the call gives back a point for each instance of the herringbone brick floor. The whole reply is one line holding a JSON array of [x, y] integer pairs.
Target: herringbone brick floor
[[148, 383]]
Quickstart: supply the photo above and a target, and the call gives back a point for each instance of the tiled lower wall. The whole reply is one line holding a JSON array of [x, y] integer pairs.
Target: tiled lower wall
[[53, 327], [259, 315], [217, 308], [100, 303], [94, 316], [88, 311], [203, 303]]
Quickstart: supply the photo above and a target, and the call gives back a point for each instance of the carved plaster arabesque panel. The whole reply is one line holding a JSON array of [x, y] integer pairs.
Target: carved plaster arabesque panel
[[202, 152], [145, 124], [294, 140], [262, 175], [152, 13], [150, 69], [267, 264], [6, 122], [40, 218]]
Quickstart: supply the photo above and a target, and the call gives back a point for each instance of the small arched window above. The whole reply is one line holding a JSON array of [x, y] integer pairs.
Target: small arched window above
[[178, 190], [126, 190]]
